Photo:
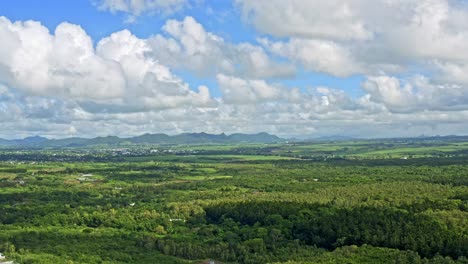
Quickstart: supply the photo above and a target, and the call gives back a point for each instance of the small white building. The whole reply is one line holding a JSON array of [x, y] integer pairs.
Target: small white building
[[176, 220]]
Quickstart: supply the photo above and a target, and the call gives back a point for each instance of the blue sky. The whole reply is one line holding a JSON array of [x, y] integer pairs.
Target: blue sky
[[294, 68]]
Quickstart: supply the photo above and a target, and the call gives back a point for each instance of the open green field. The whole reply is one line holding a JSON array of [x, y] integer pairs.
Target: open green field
[[313, 202], [368, 149]]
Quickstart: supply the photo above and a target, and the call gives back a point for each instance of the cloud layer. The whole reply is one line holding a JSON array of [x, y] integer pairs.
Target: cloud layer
[[411, 55]]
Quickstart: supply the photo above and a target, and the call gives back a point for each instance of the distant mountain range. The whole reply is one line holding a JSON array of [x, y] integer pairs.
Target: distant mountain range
[[197, 138], [156, 139]]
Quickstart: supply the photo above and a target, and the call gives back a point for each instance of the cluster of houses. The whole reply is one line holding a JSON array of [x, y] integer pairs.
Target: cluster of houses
[[129, 151]]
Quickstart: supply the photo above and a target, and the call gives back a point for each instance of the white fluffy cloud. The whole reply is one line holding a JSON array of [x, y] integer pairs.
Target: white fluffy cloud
[[190, 46], [418, 94], [365, 36], [151, 85], [362, 20], [320, 111], [239, 91], [37, 62], [66, 65], [317, 55], [307, 18]]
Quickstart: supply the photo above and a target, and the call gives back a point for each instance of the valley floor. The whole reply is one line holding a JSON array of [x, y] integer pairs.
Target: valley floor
[[332, 202]]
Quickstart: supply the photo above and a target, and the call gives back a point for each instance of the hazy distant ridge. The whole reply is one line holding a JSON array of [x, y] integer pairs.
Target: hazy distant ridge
[[185, 138]]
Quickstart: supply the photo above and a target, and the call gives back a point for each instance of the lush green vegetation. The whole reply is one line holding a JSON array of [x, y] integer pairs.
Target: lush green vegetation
[[392, 201]]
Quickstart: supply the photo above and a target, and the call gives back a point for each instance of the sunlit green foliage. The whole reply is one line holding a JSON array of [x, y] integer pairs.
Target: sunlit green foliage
[[343, 202]]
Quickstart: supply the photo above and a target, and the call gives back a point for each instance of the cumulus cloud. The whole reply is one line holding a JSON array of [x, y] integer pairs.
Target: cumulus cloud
[[152, 84], [65, 64], [37, 62], [189, 46], [303, 18], [317, 55], [417, 94], [240, 91], [319, 111], [364, 36], [360, 20]]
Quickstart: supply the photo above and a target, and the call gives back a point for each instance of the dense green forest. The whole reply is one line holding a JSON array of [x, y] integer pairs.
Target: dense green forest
[[387, 201]]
